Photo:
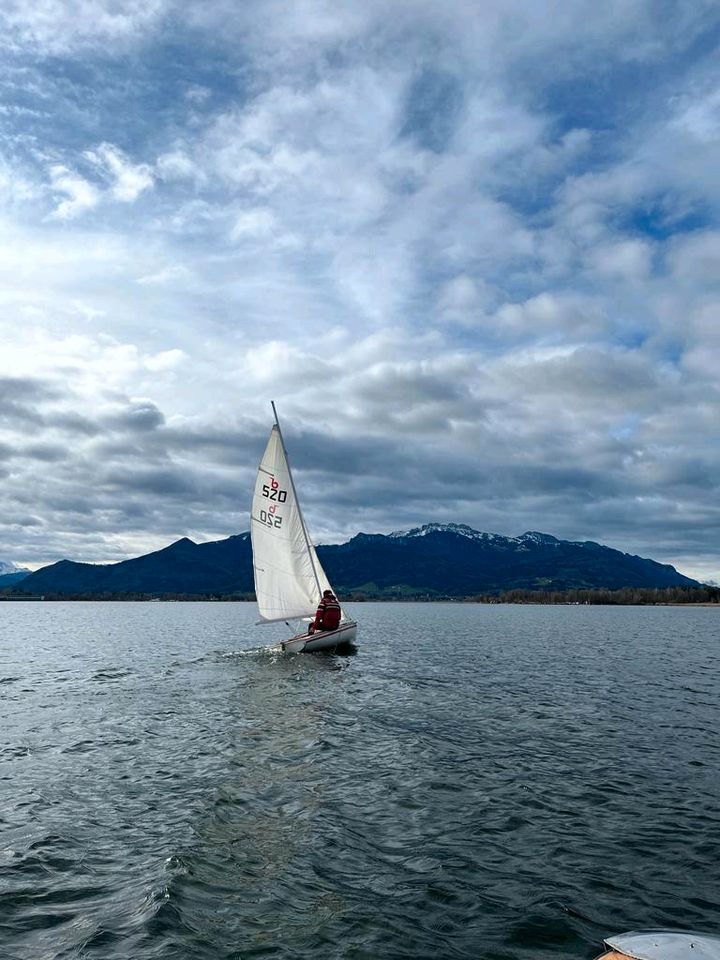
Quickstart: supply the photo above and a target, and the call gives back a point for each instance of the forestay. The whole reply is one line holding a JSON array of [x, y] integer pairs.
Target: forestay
[[288, 577]]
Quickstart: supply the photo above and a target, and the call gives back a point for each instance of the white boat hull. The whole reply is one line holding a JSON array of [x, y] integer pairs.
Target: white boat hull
[[662, 945], [321, 640]]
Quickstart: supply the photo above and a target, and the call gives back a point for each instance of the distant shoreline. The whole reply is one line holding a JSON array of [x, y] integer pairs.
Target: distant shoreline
[[466, 601]]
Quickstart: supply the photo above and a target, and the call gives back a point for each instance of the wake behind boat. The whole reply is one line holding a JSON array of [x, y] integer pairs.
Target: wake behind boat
[[289, 579]]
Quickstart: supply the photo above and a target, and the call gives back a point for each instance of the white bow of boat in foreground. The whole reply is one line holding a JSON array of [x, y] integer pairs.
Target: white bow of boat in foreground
[[662, 945], [289, 579]]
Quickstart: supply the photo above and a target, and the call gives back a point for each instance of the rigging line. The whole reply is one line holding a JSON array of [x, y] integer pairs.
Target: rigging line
[[297, 502]]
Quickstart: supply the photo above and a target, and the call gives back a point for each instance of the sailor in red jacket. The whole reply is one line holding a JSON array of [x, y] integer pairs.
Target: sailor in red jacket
[[328, 613]]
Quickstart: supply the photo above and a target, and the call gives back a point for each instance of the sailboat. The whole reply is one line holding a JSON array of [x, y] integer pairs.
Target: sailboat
[[289, 579]]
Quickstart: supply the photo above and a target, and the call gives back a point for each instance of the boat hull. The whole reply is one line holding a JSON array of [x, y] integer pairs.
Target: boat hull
[[662, 945], [322, 640]]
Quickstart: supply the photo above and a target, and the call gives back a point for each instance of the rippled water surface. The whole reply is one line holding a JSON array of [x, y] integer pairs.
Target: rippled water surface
[[476, 781]]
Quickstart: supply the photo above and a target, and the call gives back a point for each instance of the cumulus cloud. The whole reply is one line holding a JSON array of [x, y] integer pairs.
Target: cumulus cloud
[[176, 165], [476, 266], [122, 181], [80, 195], [565, 316], [629, 260], [127, 180], [165, 360], [695, 258], [255, 223]]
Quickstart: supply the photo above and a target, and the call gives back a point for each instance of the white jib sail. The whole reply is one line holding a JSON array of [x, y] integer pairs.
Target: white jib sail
[[288, 577]]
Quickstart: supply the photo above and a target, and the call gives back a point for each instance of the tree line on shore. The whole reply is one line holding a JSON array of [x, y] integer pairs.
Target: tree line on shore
[[624, 596]]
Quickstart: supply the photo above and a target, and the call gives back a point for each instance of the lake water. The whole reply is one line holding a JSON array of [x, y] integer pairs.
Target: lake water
[[476, 781]]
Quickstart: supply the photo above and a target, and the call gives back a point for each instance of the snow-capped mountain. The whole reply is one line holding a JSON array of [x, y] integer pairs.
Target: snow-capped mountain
[[7, 567], [530, 538], [461, 529], [11, 574]]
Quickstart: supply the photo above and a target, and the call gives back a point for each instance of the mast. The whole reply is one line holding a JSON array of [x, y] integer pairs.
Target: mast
[[297, 502]]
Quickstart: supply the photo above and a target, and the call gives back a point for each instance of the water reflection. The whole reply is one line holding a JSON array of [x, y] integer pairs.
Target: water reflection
[[495, 782], [252, 840]]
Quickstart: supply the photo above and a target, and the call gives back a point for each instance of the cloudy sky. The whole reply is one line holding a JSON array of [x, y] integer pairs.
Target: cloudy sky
[[471, 249]]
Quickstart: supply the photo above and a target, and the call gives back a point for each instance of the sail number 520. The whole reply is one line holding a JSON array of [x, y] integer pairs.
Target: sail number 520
[[273, 492], [266, 517]]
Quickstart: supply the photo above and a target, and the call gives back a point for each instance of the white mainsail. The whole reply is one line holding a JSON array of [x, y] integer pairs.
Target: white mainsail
[[289, 579]]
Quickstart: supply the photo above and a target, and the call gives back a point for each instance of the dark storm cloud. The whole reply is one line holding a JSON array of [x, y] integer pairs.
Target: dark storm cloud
[[695, 473], [136, 418], [168, 482], [27, 388], [571, 481], [72, 423], [19, 415], [62, 497], [161, 477], [238, 446], [345, 455], [23, 521], [111, 448], [20, 399], [45, 452], [397, 388], [427, 482]]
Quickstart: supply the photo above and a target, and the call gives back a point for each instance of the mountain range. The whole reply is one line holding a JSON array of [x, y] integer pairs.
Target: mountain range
[[450, 560], [11, 574]]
